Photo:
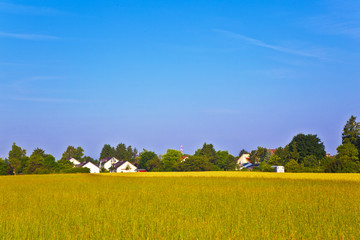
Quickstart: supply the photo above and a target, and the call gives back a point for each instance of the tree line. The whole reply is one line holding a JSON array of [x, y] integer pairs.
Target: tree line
[[305, 153]]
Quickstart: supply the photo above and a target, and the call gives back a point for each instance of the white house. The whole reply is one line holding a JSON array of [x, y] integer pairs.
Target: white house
[[108, 162], [93, 168], [74, 161], [124, 166], [244, 159], [279, 169]]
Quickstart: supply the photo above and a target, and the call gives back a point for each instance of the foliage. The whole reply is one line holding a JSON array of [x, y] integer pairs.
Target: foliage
[[338, 165], [64, 164], [306, 145], [72, 152], [292, 166], [348, 152], [311, 161], [351, 132], [208, 151], [150, 161], [226, 161], [171, 159], [259, 155], [107, 152], [265, 167], [197, 163], [275, 160], [5, 168], [17, 158]]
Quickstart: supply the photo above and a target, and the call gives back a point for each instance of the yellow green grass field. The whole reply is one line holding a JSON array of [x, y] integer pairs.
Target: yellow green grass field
[[207, 205]]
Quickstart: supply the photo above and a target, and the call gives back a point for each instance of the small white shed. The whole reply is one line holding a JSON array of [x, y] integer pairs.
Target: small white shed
[[278, 169]]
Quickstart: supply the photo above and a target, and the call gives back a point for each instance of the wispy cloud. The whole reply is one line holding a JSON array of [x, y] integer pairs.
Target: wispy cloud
[[256, 42], [28, 36], [26, 9]]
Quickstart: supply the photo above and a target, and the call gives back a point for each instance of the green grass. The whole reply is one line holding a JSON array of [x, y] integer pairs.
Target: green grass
[[222, 205]]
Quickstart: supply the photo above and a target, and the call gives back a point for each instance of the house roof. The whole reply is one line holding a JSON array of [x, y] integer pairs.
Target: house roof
[[118, 164], [104, 160], [81, 164], [272, 151]]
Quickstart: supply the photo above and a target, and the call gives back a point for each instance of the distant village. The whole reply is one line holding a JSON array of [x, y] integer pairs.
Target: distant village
[[114, 165], [305, 153]]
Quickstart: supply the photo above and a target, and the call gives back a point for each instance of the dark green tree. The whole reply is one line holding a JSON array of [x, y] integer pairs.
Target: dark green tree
[[292, 166], [107, 151], [17, 158], [226, 161], [351, 133], [154, 164], [49, 163], [121, 152], [209, 152], [306, 145], [147, 156], [171, 159], [311, 161], [5, 168], [36, 161], [197, 163], [72, 152], [259, 155], [348, 152]]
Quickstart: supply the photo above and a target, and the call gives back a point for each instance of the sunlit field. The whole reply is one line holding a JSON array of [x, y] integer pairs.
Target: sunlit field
[[206, 205]]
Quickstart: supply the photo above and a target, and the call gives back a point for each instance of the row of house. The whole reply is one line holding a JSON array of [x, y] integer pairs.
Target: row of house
[[110, 164], [114, 165]]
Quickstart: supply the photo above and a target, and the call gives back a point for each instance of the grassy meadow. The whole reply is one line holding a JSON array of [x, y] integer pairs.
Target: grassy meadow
[[206, 205]]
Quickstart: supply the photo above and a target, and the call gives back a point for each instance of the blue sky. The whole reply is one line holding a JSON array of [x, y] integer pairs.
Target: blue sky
[[157, 74]]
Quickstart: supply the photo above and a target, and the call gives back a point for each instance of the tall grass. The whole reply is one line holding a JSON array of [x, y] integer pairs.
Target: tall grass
[[221, 205]]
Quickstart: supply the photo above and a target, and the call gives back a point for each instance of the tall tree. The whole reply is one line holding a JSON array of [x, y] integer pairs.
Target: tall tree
[[121, 152], [259, 155], [36, 161], [148, 156], [171, 159], [5, 168], [17, 157], [72, 152], [351, 133], [348, 152], [197, 163], [306, 145], [226, 161], [107, 151], [209, 152]]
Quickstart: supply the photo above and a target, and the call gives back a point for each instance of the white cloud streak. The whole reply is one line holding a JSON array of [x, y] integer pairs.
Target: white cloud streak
[[28, 36], [260, 43]]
